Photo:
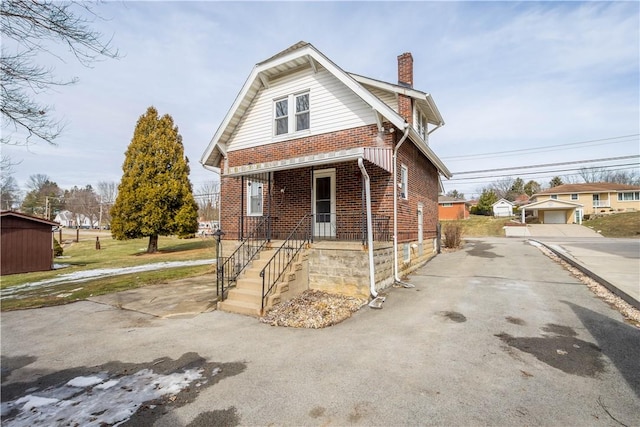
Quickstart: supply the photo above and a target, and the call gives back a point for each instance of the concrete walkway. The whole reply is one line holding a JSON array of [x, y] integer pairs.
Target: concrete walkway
[[614, 263], [183, 298]]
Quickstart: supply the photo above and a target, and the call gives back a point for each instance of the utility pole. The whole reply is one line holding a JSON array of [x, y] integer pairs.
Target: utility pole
[[100, 217]]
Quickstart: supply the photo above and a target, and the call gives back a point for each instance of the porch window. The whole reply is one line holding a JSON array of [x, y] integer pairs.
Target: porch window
[[254, 198], [404, 180], [298, 104], [574, 197], [629, 196]]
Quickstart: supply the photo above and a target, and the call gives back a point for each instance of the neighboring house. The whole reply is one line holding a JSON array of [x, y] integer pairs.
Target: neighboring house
[[595, 197], [502, 208], [553, 211], [452, 208], [26, 243], [338, 162], [68, 219]]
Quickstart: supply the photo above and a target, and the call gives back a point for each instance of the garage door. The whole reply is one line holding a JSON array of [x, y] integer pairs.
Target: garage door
[[555, 217]]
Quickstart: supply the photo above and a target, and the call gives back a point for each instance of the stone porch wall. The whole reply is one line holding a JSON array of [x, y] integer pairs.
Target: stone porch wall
[[343, 267]]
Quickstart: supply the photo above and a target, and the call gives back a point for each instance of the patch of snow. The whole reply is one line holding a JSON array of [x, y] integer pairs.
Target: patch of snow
[[85, 275], [84, 381], [99, 402]]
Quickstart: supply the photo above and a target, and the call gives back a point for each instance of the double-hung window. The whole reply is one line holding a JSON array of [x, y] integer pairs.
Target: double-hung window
[[298, 104], [404, 182], [574, 196], [282, 116], [420, 124], [629, 196]]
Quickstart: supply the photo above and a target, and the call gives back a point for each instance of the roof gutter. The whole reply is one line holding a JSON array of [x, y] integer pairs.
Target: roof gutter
[[407, 127]]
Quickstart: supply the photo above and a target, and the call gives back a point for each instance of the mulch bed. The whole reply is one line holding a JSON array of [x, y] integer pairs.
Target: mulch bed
[[313, 309]]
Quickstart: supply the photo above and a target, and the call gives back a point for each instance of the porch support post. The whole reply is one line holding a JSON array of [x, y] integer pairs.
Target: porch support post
[[241, 231], [269, 208]]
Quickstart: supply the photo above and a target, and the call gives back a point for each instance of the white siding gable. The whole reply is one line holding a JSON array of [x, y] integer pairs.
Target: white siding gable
[[333, 107]]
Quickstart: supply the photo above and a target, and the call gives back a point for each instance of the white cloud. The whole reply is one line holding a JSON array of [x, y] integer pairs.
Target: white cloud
[[503, 74]]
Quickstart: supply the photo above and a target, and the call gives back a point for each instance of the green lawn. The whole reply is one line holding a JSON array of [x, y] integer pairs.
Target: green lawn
[[615, 225], [82, 255], [625, 224]]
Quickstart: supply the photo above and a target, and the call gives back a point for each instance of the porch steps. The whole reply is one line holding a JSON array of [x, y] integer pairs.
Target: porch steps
[[246, 297]]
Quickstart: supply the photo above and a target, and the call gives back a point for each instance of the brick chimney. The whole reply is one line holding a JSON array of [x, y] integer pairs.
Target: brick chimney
[[405, 78]]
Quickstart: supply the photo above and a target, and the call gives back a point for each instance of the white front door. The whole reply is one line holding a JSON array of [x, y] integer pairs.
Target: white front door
[[324, 202]]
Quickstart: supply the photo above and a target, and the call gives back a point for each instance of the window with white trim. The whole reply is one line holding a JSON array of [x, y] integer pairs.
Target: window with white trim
[[404, 182], [254, 198], [629, 196], [447, 205], [420, 124], [554, 196], [299, 105], [574, 197]]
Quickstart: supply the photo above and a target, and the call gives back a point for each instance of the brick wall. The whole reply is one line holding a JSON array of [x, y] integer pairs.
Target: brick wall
[[289, 206]]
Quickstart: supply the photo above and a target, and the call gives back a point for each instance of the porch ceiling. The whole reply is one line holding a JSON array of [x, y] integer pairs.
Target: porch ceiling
[[381, 157]]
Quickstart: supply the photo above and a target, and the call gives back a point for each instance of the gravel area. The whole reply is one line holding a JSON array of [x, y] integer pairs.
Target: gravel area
[[313, 309]]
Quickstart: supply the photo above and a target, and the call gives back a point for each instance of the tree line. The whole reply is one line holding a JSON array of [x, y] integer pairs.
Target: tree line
[[514, 189]]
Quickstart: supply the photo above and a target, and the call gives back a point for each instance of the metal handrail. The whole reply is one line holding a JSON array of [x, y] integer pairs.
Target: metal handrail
[[234, 264], [284, 256]]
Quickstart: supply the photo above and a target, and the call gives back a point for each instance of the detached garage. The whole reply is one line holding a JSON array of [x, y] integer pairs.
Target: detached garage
[[552, 211], [26, 243]]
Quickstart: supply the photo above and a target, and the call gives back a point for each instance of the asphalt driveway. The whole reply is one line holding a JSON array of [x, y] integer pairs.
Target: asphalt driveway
[[495, 334]]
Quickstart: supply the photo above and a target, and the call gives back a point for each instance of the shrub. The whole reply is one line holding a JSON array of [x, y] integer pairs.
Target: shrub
[[57, 249], [452, 232]]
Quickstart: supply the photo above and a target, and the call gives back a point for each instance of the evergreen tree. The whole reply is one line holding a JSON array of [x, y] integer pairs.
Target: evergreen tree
[[44, 199], [555, 182], [487, 198], [155, 196]]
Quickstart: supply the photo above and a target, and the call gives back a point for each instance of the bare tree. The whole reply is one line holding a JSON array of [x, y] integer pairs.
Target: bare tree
[[9, 190], [502, 187], [455, 194], [83, 204], [107, 192], [207, 198], [31, 26], [600, 174]]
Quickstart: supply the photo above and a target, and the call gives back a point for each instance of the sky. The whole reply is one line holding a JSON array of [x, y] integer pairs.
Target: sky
[[517, 83]]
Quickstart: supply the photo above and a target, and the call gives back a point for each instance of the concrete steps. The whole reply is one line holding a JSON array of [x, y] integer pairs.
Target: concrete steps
[[246, 297]]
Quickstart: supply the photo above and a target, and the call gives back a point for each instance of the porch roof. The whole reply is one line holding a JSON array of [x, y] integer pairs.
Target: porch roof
[[381, 157]]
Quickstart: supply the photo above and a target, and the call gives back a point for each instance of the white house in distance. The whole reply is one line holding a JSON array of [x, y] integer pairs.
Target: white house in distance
[[68, 219], [502, 208]]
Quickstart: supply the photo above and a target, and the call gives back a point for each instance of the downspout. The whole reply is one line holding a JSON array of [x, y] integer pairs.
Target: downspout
[[367, 189], [395, 206]]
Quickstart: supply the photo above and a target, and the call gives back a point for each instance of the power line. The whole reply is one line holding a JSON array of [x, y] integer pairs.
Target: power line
[[630, 166], [548, 165], [545, 148]]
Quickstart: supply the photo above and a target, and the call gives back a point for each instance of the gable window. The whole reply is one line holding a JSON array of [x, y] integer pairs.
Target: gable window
[[404, 181], [421, 124], [254, 198], [282, 116], [298, 104], [302, 112], [574, 197], [630, 196]]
